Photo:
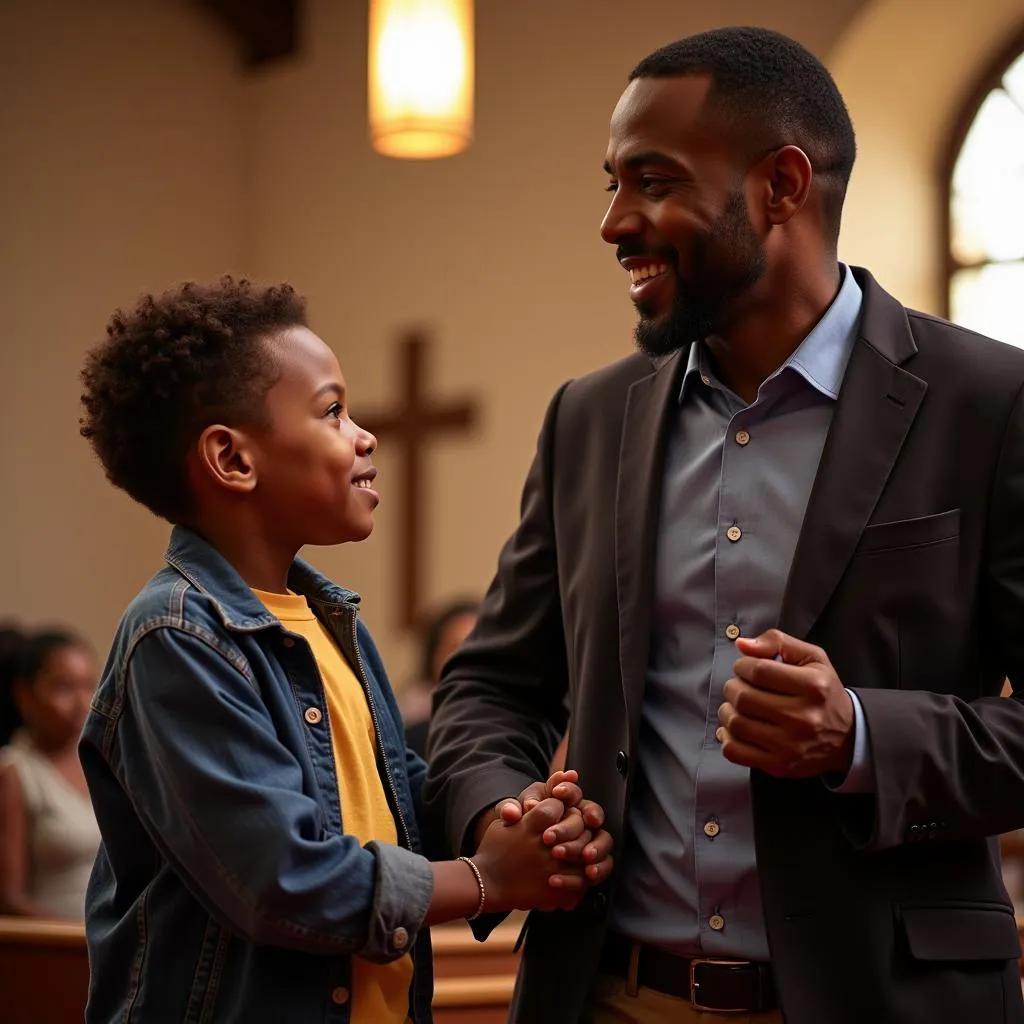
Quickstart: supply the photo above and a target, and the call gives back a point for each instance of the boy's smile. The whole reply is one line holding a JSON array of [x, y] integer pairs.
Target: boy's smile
[[364, 482]]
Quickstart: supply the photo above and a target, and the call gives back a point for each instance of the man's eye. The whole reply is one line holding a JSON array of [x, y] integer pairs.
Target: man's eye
[[647, 183]]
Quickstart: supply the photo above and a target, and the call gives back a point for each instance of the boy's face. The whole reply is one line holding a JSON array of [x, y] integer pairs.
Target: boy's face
[[313, 469]]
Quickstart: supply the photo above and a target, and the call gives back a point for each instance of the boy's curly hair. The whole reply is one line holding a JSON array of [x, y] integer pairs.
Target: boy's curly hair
[[171, 367]]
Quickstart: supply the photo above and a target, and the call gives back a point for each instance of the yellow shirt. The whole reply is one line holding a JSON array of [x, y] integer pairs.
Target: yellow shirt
[[380, 992]]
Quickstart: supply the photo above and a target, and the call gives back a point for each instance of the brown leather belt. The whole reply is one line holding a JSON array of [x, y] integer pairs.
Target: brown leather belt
[[709, 983]]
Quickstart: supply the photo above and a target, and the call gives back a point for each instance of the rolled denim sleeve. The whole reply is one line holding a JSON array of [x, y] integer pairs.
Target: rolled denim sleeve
[[861, 776], [222, 798], [404, 889]]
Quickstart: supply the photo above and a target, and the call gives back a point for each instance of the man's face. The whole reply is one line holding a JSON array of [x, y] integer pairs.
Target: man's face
[[679, 217]]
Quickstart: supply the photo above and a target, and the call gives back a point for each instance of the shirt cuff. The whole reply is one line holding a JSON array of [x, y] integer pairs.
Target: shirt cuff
[[861, 776]]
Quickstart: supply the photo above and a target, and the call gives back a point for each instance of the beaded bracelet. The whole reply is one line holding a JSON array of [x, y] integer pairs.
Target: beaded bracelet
[[480, 883]]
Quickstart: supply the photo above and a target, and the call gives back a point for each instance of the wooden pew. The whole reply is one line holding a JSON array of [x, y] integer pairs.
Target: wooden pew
[[472, 980], [44, 973]]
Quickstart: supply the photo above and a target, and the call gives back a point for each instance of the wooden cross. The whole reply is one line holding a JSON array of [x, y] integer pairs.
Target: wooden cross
[[412, 423]]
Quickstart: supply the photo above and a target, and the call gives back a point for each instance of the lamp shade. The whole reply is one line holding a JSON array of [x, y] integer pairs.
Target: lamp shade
[[421, 77]]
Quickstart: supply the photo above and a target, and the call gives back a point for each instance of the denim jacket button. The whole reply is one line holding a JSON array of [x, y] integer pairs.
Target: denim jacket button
[[340, 995], [400, 938], [312, 715]]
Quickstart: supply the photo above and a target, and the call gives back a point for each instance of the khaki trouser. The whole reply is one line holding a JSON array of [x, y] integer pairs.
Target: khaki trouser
[[609, 1004]]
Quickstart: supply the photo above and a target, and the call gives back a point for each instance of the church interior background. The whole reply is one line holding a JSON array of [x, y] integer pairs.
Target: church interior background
[[142, 148]]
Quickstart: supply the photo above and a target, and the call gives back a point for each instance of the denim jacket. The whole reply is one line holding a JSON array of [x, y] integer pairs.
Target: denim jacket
[[225, 890]]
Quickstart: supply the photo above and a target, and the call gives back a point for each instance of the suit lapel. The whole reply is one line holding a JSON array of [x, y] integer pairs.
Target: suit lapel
[[649, 403], [876, 407]]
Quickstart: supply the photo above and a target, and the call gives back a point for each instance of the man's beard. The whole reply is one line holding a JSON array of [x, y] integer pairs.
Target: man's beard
[[726, 261]]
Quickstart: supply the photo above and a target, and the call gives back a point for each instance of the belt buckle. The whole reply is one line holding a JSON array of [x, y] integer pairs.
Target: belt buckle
[[694, 984]]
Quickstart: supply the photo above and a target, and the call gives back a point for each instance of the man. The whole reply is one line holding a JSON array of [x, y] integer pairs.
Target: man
[[776, 560]]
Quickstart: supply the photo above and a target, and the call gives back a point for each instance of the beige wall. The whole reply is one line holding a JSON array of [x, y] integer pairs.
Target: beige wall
[[139, 157], [122, 171]]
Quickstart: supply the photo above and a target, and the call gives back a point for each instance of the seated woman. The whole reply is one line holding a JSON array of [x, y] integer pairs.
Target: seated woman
[[48, 832]]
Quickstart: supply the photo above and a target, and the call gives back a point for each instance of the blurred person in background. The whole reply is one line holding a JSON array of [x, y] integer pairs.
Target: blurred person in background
[[442, 636], [48, 831]]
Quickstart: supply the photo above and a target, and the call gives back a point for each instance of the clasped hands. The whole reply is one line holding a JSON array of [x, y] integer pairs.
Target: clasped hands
[[572, 829]]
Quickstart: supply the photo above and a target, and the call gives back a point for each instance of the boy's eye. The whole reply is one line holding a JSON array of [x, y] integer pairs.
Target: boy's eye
[[335, 411], [612, 186]]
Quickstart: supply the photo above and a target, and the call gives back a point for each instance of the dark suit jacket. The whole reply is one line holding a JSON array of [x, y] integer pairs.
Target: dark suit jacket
[[909, 573], [416, 737]]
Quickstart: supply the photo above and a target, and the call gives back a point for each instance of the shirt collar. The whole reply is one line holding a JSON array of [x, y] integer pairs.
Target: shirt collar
[[820, 358]]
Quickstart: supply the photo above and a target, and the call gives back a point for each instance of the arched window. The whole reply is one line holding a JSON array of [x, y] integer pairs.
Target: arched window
[[985, 208]]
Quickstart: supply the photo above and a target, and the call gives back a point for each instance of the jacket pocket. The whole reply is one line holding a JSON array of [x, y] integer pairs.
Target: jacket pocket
[[911, 533], [960, 931]]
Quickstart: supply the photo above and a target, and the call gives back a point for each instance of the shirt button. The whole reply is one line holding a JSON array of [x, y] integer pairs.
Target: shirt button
[[400, 938], [732, 631], [734, 533], [622, 763], [712, 828], [339, 996], [705, 378], [742, 438], [288, 641], [717, 922], [312, 715]]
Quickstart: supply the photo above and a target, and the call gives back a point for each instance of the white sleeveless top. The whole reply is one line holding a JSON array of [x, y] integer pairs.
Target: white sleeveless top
[[63, 836]]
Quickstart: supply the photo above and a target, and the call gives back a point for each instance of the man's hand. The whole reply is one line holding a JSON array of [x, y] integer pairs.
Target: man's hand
[[521, 871], [785, 710], [577, 837]]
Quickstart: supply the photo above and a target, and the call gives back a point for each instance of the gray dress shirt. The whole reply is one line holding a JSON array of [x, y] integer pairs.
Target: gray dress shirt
[[736, 484]]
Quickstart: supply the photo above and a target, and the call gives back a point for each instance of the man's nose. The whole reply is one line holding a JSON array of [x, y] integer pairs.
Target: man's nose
[[620, 221]]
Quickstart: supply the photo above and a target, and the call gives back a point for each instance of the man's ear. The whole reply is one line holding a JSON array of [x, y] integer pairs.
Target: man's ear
[[225, 456], [787, 175]]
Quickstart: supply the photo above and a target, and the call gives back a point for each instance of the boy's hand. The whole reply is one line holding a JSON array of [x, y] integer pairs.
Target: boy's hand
[[520, 871], [577, 838]]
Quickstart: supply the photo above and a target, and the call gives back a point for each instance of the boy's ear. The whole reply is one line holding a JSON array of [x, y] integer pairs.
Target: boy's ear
[[225, 456]]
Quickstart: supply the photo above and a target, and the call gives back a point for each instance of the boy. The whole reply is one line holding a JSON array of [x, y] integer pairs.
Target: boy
[[244, 753]]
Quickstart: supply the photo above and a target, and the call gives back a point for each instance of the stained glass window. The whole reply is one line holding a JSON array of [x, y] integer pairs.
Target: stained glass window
[[986, 214]]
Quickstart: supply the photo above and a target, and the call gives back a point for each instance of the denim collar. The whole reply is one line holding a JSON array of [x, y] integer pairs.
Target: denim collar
[[240, 609]]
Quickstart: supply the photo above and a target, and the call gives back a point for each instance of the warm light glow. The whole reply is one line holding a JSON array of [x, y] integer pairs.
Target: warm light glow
[[988, 184], [421, 77], [987, 215]]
